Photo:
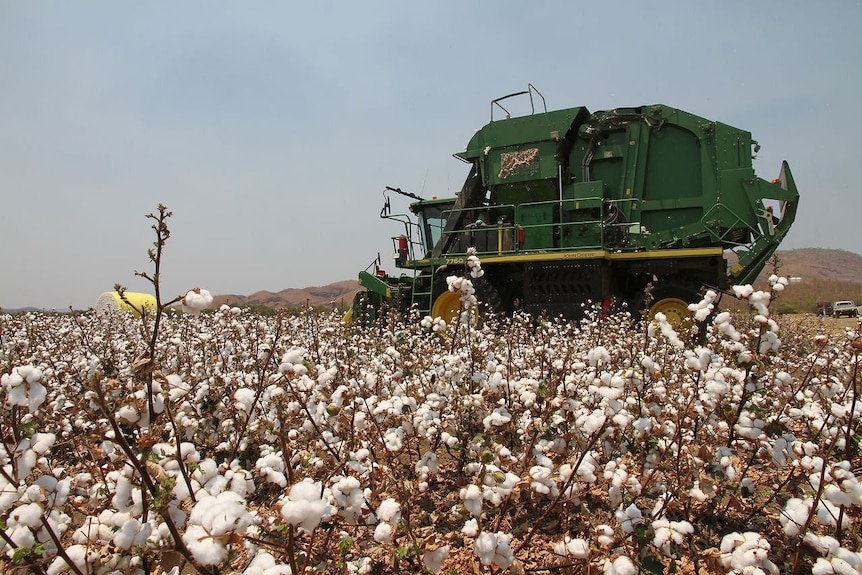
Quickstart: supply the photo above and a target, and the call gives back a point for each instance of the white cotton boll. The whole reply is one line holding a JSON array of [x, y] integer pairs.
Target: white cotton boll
[[132, 532], [472, 498], [743, 291], [389, 510], [17, 396], [433, 559], [484, 547], [25, 463], [604, 535], [747, 553], [37, 397], [598, 356], [383, 533], [834, 495], [294, 355], [822, 543], [264, 563], [206, 550], [128, 413], [272, 468], [628, 518], [471, 528], [622, 565], [499, 417], [304, 506], [244, 397], [29, 515], [394, 439], [196, 300], [225, 513], [42, 442], [575, 548], [827, 514], [82, 556]]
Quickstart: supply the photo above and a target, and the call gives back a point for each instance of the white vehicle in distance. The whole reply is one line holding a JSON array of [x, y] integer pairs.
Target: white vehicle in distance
[[845, 307]]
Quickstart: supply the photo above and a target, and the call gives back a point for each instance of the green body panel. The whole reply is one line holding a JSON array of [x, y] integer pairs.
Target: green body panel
[[651, 191]]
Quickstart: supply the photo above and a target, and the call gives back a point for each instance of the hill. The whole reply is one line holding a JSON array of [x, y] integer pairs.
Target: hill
[[819, 264], [341, 293]]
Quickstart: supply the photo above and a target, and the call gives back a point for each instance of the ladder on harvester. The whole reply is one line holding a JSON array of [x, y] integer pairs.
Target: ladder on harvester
[[423, 300]]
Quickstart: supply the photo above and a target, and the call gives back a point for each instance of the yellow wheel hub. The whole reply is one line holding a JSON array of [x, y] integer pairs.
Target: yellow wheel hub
[[447, 306], [675, 310]]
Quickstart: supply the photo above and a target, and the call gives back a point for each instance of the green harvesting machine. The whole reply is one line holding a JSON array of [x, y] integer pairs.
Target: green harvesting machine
[[569, 210]]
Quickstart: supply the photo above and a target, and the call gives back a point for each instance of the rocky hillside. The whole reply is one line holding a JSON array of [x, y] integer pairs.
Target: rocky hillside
[[818, 263], [338, 293]]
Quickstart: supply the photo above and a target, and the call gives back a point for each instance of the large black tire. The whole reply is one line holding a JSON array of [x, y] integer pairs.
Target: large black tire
[[490, 303]]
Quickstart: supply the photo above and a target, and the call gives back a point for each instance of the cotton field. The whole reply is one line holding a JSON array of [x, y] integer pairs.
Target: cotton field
[[295, 444], [229, 442]]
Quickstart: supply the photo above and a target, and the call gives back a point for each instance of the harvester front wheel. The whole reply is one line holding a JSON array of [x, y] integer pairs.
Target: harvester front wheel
[[447, 306], [673, 301]]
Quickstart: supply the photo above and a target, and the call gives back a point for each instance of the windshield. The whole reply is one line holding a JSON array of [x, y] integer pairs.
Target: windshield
[[432, 220]]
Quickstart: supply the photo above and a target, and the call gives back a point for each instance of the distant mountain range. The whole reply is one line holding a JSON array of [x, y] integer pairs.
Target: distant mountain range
[[335, 293]]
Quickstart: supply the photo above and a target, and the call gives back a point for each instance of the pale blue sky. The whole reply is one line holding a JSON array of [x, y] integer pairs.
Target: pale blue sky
[[270, 129]]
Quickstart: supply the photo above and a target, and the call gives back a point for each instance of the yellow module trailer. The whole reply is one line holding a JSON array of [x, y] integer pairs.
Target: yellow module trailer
[[111, 300]]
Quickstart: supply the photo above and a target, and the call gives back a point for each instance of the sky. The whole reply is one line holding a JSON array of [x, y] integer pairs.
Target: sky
[[270, 129]]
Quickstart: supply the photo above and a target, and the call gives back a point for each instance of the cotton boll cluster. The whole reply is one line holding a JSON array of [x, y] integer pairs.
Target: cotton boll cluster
[[434, 555], [494, 549], [837, 560], [747, 553], [668, 331], [473, 264], [196, 300], [304, 505], [292, 360], [425, 468], [360, 416], [705, 306], [211, 523], [23, 387], [349, 497], [575, 548], [435, 324], [759, 300], [622, 565], [670, 532], [467, 296], [388, 515]]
